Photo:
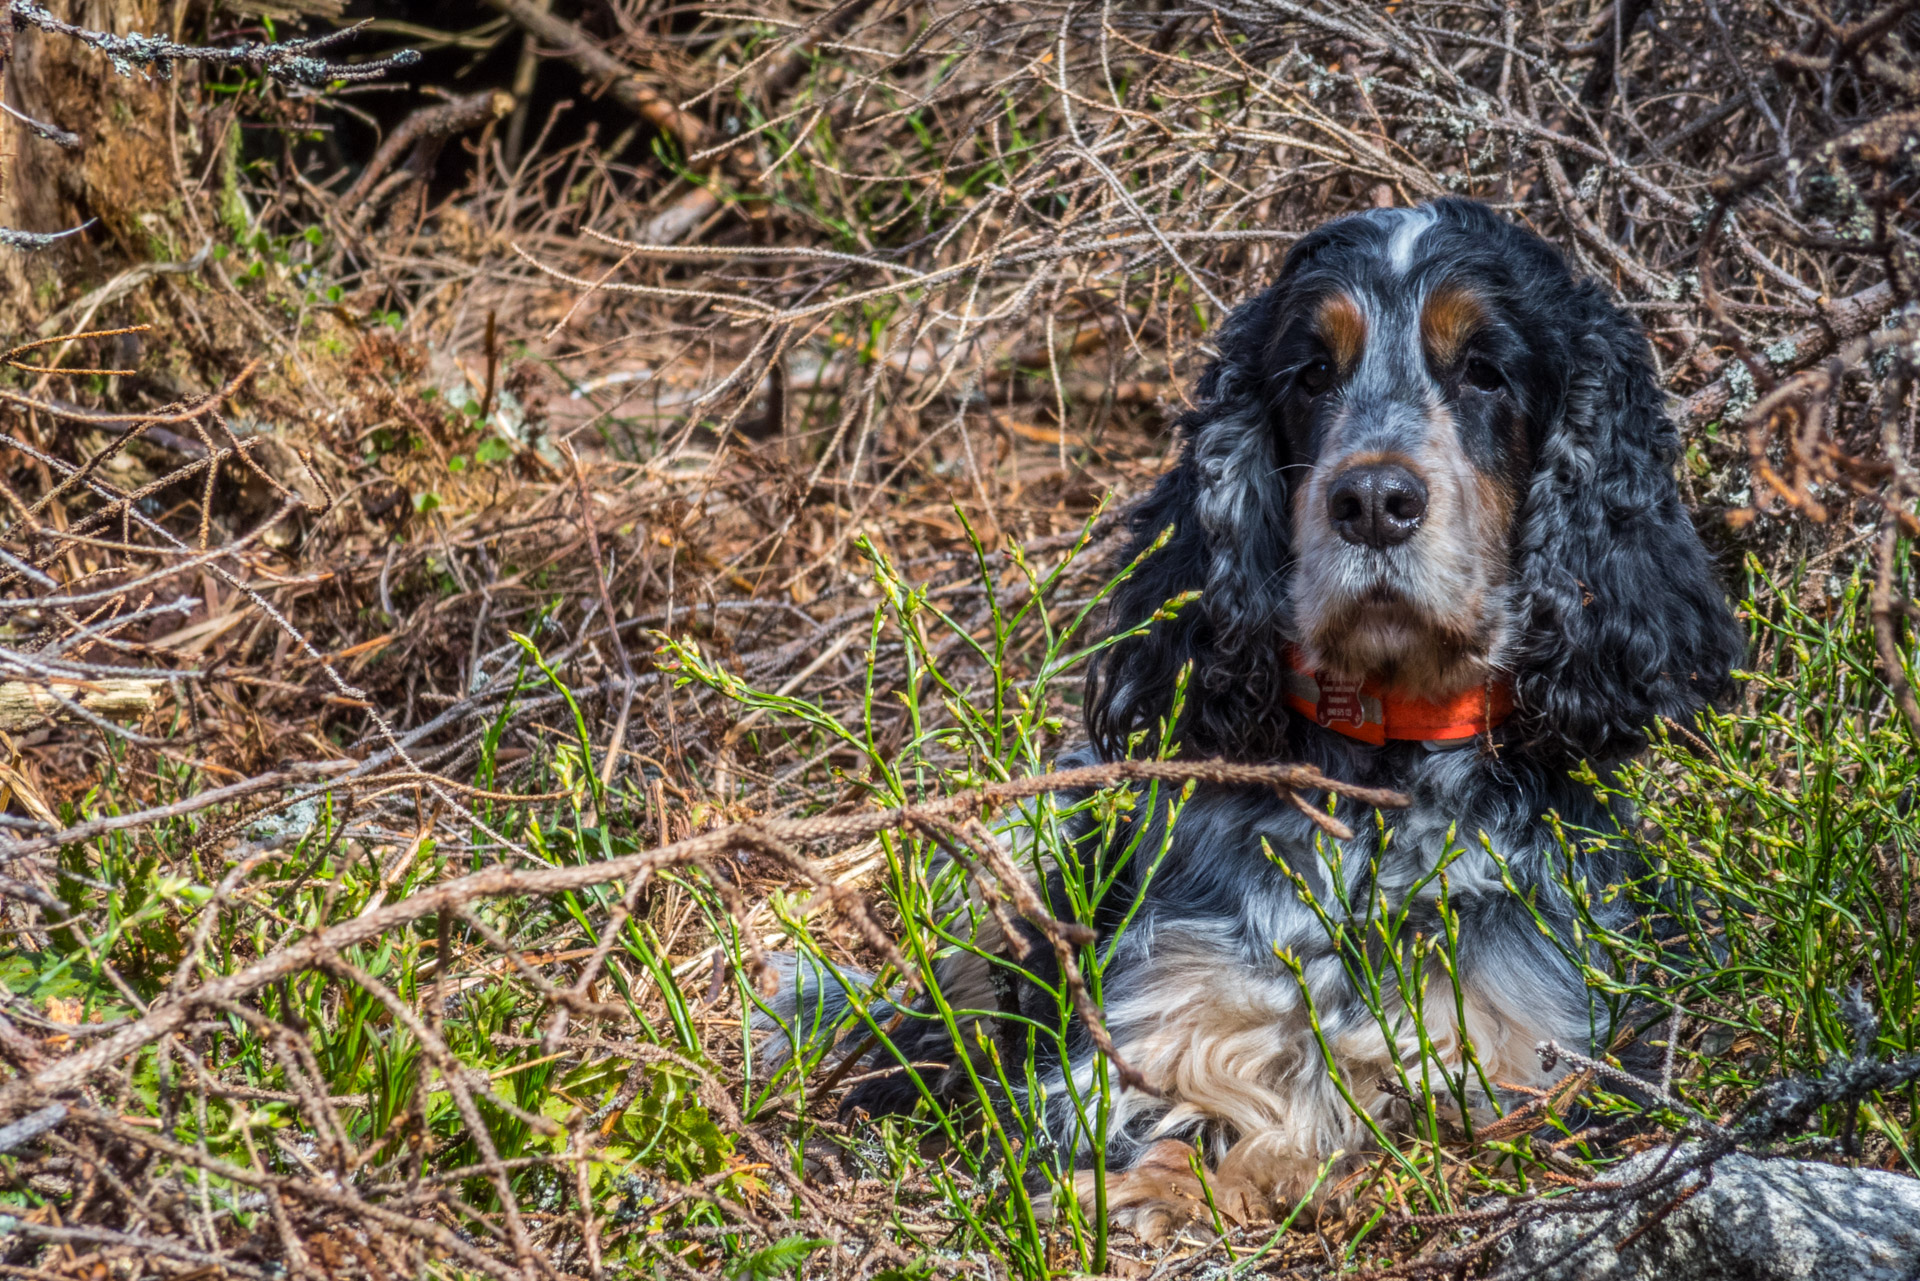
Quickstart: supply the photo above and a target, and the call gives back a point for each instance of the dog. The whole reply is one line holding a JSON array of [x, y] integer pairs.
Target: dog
[[1427, 501]]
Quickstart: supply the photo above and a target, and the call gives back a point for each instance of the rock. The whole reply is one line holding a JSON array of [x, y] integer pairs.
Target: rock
[[1758, 1220]]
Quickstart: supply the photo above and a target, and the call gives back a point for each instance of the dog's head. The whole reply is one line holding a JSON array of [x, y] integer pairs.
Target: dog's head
[[1430, 457]]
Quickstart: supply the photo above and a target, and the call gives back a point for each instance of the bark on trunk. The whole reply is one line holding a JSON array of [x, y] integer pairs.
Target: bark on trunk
[[121, 171]]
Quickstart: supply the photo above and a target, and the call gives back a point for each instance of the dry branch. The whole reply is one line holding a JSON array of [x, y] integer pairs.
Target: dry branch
[[602, 68], [422, 134], [25, 706], [69, 1071]]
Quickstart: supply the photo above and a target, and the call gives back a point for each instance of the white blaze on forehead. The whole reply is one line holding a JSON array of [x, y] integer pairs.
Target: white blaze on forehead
[[1413, 224]]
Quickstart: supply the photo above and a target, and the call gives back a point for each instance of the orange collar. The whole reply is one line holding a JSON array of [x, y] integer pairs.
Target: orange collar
[[1361, 709]]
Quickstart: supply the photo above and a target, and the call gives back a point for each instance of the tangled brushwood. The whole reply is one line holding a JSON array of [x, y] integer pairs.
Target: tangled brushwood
[[467, 606]]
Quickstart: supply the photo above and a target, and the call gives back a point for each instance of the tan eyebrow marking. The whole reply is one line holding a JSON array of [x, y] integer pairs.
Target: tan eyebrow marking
[[1449, 318], [1344, 329]]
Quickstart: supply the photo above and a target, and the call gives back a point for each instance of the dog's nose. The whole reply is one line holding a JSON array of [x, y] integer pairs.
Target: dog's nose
[[1376, 504]]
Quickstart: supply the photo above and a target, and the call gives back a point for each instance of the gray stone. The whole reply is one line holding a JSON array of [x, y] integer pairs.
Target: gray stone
[[1758, 1220]]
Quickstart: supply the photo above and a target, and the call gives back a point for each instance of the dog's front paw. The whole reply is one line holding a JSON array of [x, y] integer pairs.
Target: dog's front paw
[[1155, 1222], [1159, 1195], [1239, 1200]]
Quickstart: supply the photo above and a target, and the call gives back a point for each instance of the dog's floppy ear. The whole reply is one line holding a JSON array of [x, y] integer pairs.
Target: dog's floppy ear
[[1226, 502], [1623, 619], [1130, 684]]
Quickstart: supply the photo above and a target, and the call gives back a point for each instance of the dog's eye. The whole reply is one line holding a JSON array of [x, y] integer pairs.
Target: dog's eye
[[1316, 377], [1482, 374]]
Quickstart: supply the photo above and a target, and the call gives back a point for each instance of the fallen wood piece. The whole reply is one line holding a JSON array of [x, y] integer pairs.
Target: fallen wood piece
[[423, 133], [28, 705], [1845, 318], [585, 53], [673, 224]]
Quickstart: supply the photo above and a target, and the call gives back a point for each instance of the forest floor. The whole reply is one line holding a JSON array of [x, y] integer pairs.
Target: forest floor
[[498, 545]]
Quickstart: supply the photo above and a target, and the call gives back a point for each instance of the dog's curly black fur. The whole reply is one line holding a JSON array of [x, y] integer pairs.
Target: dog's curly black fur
[[1550, 553]]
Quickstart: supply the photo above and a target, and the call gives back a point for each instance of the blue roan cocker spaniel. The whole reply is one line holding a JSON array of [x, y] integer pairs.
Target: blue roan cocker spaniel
[[1428, 501]]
